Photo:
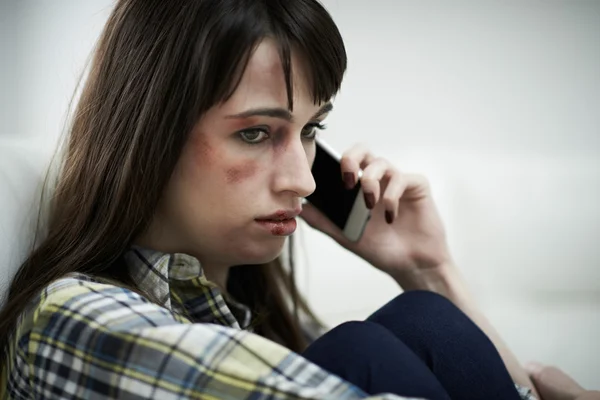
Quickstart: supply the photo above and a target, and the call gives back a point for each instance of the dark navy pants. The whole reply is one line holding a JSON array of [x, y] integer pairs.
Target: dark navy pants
[[419, 344]]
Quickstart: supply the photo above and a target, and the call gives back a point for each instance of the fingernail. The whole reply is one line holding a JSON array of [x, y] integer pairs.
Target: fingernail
[[370, 200], [389, 217], [349, 180]]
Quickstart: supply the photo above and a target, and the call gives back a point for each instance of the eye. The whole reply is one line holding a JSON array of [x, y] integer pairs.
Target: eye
[[254, 136], [310, 130]]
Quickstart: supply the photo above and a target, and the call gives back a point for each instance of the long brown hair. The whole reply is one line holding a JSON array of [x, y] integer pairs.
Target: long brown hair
[[157, 68]]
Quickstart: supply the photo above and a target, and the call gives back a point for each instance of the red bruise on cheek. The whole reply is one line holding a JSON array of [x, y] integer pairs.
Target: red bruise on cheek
[[241, 172], [203, 152]]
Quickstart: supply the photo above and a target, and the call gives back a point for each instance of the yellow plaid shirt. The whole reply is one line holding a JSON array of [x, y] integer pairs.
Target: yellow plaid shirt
[[86, 339]]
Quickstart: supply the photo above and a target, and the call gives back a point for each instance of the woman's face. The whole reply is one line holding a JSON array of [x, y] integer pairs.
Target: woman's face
[[246, 165]]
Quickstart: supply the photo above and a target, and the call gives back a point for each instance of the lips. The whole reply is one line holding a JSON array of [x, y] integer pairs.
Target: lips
[[280, 215], [280, 223]]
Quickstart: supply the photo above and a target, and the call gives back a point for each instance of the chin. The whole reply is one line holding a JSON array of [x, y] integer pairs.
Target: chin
[[262, 253]]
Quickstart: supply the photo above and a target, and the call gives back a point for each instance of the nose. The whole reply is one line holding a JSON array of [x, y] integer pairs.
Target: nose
[[293, 170]]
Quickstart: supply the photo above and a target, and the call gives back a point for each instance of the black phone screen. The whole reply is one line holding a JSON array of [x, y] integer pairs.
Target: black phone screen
[[331, 196]]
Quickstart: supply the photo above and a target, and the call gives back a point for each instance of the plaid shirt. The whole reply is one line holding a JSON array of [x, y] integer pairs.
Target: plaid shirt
[[83, 338]]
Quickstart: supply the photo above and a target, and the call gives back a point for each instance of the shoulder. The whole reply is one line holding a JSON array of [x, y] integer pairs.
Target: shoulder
[[96, 302], [81, 302], [77, 287]]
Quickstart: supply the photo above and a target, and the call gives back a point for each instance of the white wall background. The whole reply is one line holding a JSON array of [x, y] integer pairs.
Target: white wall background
[[498, 102]]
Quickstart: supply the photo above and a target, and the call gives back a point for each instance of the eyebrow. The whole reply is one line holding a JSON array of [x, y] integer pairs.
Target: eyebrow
[[280, 113]]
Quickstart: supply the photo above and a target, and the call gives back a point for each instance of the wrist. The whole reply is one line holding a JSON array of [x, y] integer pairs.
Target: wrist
[[434, 278], [444, 279]]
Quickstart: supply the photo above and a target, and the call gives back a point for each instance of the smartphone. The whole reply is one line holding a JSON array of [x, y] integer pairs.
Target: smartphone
[[346, 208]]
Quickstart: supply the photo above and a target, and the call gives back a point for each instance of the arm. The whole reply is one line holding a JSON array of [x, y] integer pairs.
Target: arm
[[91, 340], [406, 239], [448, 281]]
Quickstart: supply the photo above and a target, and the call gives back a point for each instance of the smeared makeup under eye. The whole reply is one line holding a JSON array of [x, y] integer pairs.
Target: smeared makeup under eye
[[202, 151]]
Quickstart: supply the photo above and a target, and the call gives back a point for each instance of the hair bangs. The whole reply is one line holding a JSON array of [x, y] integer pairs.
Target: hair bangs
[[301, 26], [306, 27]]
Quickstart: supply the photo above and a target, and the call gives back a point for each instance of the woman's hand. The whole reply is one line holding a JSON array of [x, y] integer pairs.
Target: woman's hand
[[410, 244], [554, 384], [405, 233]]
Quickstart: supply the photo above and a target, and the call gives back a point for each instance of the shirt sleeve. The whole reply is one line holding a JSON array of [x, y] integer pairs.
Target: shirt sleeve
[[92, 340]]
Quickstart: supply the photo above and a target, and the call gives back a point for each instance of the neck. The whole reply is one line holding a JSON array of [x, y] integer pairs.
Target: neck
[[217, 274]]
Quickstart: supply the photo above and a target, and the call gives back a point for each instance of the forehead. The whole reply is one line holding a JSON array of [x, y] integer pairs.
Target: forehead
[[263, 82]]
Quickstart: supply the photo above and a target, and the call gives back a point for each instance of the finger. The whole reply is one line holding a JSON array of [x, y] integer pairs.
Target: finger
[[552, 383], [394, 189], [371, 180], [399, 187], [319, 221], [353, 160]]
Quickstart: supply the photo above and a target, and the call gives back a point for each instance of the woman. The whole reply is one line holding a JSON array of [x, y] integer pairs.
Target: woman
[[157, 279]]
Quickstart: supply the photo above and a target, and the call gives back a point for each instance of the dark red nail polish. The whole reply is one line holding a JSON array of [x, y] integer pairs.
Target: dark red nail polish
[[349, 180], [370, 200], [389, 217]]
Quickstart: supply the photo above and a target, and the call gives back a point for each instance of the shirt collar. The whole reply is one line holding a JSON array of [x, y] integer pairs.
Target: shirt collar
[[178, 282]]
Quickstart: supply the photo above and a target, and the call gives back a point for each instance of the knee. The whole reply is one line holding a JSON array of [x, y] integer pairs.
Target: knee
[[426, 303], [360, 339], [356, 332], [422, 304], [424, 313]]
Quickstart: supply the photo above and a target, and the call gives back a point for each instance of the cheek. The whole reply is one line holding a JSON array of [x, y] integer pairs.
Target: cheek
[[206, 157], [202, 153], [239, 173]]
